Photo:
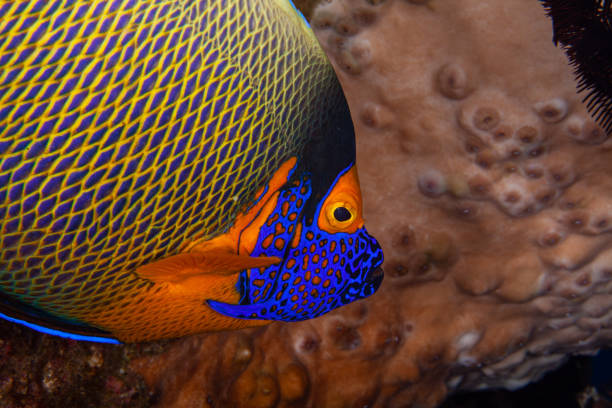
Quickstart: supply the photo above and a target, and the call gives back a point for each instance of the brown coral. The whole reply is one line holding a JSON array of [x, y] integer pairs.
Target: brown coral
[[488, 186]]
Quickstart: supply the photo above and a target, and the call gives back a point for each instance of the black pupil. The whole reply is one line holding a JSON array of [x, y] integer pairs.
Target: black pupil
[[342, 214]]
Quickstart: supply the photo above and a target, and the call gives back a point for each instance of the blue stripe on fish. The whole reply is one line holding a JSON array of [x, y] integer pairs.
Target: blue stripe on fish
[[299, 13], [59, 333]]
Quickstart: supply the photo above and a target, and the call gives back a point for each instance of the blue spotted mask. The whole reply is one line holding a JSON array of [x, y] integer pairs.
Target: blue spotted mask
[[328, 260]]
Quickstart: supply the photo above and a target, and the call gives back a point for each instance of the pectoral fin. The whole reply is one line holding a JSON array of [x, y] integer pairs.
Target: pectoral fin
[[178, 268]]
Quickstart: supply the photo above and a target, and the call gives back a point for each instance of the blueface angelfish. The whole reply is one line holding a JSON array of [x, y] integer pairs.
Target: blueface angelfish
[[173, 167]]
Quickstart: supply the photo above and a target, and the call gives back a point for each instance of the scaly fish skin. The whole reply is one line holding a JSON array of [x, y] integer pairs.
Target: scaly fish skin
[[139, 143]]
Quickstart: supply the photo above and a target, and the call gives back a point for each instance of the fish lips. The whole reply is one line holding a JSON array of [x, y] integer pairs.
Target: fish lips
[[375, 277], [364, 287], [372, 281]]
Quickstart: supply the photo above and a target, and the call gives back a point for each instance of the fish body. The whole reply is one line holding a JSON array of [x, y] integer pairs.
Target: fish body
[[149, 149]]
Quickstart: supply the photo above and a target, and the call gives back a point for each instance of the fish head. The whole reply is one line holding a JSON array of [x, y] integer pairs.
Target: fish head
[[328, 257]]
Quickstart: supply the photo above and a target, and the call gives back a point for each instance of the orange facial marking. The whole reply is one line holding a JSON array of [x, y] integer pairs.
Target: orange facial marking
[[296, 238], [286, 276], [279, 229], [267, 241], [249, 235], [292, 216], [299, 203], [324, 263], [305, 263], [272, 220], [243, 234], [284, 209], [345, 193], [316, 280], [259, 282], [307, 276], [294, 306], [279, 295], [279, 243], [332, 246], [292, 198], [310, 235], [336, 258], [330, 272], [315, 259], [326, 283], [294, 298], [301, 288], [313, 247], [297, 280], [290, 263]]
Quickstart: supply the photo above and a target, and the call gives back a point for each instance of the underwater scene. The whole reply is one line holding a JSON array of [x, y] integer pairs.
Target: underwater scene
[[328, 204]]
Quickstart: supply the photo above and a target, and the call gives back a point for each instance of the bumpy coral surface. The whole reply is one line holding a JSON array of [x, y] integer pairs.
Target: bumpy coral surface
[[489, 188]]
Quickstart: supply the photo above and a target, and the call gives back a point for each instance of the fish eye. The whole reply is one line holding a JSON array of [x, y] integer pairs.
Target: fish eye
[[342, 214], [341, 209]]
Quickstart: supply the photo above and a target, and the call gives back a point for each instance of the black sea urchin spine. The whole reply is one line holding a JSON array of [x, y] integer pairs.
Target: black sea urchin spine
[[584, 29]]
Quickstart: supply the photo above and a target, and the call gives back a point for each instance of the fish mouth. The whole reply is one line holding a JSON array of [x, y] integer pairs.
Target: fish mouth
[[375, 277]]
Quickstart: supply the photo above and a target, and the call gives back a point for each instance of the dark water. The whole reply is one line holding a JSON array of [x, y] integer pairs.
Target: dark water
[[582, 382]]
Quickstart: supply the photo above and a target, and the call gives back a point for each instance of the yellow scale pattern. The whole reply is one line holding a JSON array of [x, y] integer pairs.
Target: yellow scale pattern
[[129, 129]]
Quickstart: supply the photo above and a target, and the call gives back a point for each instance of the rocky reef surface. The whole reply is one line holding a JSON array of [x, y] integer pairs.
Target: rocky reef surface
[[43, 371], [488, 186]]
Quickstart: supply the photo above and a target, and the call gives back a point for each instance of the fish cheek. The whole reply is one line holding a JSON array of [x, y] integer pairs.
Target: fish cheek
[[343, 261], [278, 233]]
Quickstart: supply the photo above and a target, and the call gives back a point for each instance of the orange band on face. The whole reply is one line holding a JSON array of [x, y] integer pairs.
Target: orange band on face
[[345, 194], [247, 225]]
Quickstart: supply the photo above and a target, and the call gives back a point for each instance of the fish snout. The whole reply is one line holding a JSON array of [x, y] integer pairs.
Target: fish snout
[[375, 277], [375, 273]]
